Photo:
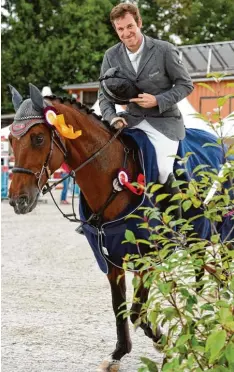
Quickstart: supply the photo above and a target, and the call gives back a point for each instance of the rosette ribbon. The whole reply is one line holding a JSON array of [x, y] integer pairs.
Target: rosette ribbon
[[59, 123]]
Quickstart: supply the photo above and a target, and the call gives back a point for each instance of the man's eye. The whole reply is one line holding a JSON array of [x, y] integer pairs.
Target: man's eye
[[37, 140]]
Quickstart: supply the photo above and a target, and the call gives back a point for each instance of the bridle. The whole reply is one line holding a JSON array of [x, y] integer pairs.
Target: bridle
[[54, 139]]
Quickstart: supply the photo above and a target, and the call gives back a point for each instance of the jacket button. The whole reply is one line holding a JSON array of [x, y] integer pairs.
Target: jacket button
[[137, 80]]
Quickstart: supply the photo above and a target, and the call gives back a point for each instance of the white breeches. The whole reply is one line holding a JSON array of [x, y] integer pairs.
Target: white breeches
[[164, 147]]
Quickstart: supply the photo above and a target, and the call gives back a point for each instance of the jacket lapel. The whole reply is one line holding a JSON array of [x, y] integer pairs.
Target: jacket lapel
[[146, 55]]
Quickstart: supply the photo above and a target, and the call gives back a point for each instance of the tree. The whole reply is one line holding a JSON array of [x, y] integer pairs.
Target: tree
[[53, 42], [194, 22]]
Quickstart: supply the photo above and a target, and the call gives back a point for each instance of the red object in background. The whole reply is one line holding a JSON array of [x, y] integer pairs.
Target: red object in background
[[65, 167]]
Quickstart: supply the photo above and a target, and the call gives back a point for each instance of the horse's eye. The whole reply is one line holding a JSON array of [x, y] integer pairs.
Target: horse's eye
[[37, 140]]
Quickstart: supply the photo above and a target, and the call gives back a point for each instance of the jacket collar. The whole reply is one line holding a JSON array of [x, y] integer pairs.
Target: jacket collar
[[146, 55]]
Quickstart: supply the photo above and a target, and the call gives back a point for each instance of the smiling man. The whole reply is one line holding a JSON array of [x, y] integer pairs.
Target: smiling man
[[155, 79]]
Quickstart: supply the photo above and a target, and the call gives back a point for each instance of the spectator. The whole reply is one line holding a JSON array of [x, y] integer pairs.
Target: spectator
[[65, 172]]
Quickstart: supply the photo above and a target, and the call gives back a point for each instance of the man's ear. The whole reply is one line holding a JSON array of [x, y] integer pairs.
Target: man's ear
[[139, 23]]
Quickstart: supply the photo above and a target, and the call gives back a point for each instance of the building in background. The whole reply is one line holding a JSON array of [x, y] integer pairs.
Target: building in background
[[200, 59]]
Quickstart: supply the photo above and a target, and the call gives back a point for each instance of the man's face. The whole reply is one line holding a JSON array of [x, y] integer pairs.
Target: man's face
[[129, 31]]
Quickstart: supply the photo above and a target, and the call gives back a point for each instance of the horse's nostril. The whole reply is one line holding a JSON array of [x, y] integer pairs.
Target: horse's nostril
[[23, 200]]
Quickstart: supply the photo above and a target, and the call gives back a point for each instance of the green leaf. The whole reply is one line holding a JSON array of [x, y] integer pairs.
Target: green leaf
[[165, 288], [186, 205], [183, 339], [130, 237], [221, 303], [155, 188], [134, 216], [152, 367], [222, 100], [232, 284], [215, 238], [161, 197], [208, 307], [176, 197], [180, 171], [229, 353], [207, 86], [171, 208], [199, 167], [170, 313], [214, 343], [143, 241], [211, 145], [178, 183]]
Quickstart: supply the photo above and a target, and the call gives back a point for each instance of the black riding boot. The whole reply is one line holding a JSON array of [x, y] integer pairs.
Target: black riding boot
[[167, 187]]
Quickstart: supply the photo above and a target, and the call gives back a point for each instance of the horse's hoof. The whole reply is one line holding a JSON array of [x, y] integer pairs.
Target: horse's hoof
[[109, 366]]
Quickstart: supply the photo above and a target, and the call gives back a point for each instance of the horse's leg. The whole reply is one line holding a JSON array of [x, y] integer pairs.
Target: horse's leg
[[123, 345], [142, 296]]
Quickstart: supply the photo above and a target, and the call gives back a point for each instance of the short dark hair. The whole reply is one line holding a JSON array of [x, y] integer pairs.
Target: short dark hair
[[120, 10]]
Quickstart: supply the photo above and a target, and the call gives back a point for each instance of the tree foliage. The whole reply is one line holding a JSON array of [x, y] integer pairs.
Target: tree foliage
[[57, 42], [194, 22], [53, 42]]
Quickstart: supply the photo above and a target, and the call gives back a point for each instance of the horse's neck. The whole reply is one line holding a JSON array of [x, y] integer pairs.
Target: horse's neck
[[96, 178]]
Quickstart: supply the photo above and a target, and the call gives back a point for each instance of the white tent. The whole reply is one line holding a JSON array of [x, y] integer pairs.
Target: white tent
[[5, 132], [46, 91], [190, 120]]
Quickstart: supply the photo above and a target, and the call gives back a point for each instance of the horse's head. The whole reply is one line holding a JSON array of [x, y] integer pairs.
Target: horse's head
[[37, 147]]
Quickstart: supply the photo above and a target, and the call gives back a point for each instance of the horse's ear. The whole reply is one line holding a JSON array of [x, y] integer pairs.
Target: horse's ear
[[17, 99], [36, 97]]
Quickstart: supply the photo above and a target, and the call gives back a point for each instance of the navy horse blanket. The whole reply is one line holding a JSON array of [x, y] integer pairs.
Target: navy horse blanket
[[106, 241]]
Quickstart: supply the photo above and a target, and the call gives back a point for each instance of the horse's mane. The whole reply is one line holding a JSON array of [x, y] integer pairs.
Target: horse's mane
[[78, 107]]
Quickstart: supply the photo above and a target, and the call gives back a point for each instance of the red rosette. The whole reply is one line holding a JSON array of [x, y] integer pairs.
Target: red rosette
[[123, 176]]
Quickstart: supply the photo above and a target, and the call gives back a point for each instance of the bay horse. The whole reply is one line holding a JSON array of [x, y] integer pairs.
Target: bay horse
[[45, 133], [40, 150]]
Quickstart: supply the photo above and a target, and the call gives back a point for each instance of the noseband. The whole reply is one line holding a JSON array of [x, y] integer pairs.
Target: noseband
[[45, 168]]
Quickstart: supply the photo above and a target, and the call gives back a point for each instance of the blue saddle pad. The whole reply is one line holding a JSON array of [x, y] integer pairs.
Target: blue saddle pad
[[106, 242]]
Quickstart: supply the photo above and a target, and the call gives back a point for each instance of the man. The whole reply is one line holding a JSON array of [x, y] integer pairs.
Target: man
[[155, 68]]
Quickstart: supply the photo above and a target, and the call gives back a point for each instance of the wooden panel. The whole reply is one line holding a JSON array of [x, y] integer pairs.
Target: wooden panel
[[198, 97], [209, 104]]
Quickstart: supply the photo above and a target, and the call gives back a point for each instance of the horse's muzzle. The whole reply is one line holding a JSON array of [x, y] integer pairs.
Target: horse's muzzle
[[22, 204]]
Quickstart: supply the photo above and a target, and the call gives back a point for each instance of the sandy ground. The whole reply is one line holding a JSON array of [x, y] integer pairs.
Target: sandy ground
[[56, 303]]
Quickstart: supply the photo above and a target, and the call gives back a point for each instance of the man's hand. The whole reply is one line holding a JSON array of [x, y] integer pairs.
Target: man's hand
[[118, 123], [145, 100]]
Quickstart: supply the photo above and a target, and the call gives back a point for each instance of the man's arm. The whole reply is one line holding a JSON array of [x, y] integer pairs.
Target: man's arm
[[179, 76], [107, 108]]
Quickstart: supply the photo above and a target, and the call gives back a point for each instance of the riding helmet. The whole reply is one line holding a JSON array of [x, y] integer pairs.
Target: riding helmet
[[117, 87]]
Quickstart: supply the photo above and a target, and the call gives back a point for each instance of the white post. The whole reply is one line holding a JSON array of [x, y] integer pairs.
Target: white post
[[209, 60]]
